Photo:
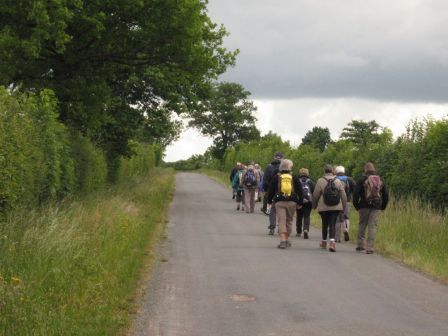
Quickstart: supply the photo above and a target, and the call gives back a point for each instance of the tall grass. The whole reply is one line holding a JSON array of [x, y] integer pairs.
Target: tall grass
[[410, 231], [73, 269]]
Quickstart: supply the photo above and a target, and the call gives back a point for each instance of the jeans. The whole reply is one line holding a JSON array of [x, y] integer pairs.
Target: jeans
[[329, 223]]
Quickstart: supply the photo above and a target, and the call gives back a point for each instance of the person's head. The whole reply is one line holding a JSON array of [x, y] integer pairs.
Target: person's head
[[251, 162], [339, 170], [238, 164], [257, 166], [250, 167], [369, 168], [304, 172], [328, 169], [278, 156], [285, 165]]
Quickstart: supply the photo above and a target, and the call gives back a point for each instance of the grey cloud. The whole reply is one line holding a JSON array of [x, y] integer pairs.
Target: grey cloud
[[374, 49]]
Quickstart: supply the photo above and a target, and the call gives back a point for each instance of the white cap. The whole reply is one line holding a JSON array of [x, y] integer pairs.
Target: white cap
[[339, 170]]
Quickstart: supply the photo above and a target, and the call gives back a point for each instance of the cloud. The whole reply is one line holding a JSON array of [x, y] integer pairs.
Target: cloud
[[372, 49]]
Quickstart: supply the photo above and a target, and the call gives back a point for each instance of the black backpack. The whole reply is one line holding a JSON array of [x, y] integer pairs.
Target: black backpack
[[307, 196], [331, 193]]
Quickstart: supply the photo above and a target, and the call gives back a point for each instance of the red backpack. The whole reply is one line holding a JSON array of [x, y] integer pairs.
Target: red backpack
[[372, 188]]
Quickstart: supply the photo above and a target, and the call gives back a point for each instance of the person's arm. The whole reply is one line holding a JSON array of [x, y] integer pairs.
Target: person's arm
[[343, 195], [273, 186], [357, 193], [316, 194]]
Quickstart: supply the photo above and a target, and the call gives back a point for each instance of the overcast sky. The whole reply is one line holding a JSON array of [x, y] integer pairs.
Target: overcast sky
[[324, 63]]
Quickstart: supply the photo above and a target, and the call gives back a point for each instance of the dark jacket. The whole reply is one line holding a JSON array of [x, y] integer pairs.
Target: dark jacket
[[269, 172], [350, 185], [273, 194], [232, 174], [359, 195]]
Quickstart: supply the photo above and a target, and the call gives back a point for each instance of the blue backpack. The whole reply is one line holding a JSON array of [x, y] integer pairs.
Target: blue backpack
[[249, 179]]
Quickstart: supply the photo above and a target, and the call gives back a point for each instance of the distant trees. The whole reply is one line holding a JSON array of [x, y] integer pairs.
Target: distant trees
[[318, 137], [227, 116]]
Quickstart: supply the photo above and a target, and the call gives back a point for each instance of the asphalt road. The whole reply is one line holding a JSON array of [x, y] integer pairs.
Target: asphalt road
[[221, 274]]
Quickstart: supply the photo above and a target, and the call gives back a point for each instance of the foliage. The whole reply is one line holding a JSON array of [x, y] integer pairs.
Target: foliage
[[74, 269], [227, 117], [318, 137], [113, 65]]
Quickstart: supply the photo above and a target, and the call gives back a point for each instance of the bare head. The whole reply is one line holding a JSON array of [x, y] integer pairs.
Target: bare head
[[369, 167], [304, 172], [285, 165], [328, 169]]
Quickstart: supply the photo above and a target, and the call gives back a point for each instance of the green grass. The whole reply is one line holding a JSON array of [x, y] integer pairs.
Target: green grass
[[409, 231], [74, 269]]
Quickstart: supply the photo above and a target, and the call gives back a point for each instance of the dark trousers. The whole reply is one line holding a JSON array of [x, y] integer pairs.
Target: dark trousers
[[303, 218], [329, 223]]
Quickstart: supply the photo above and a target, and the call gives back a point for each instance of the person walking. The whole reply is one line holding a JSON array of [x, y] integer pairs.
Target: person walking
[[304, 212], [232, 175], [329, 199], [343, 222], [259, 189], [270, 170], [237, 185], [251, 179], [286, 190], [369, 198]]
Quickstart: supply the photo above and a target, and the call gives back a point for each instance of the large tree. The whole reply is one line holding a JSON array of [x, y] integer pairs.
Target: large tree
[[112, 64], [227, 117], [318, 137], [361, 133]]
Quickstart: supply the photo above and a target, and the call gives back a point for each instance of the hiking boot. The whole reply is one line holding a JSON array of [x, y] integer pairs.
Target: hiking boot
[[237, 208], [346, 236], [332, 247], [271, 232], [283, 245], [360, 249], [305, 234], [323, 244], [369, 252], [288, 243]]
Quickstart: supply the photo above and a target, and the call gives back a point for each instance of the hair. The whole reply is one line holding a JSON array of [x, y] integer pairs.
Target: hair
[[285, 165], [304, 172], [369, 167], [328, 169]]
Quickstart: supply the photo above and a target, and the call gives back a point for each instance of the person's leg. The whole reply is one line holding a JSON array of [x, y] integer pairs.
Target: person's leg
[[252, 200], [281, 210], [346, 226], [324, 217], [363, 221], [290, 209], [265, 202], [299, 219], [239, 198], [372, 224], [332, 219], [338, 226], [272, 218]]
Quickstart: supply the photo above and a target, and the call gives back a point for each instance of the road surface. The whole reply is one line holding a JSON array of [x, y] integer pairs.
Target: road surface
[[221, 274]]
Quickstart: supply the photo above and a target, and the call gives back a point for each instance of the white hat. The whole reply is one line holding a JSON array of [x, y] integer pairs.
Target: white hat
[[339, 170]]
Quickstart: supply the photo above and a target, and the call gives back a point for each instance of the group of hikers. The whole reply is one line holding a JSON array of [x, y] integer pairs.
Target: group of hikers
[[286, 194]]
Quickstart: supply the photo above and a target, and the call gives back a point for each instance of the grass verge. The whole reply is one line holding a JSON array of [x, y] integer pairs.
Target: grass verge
[[409, 231], [74, 269]]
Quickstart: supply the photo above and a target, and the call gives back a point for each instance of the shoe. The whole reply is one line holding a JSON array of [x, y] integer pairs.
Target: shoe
[[338, 241], [288, 243], [283, 245], [271, 232], [237, 208], [305, 234], [369, 252], [242, 208], [323, 244], [346, 236], [298, 234], [332, 247], [233, 196], [360, 249]]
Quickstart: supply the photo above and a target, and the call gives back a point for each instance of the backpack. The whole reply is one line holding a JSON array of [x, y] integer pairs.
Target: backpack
[[331, 193], [344, 179], [285, 185], [249, 179], [372, 190], [307, 197]]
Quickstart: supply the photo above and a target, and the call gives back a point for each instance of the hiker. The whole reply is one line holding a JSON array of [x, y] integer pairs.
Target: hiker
[[285, 189], [268, 173], [259, 189], [232, 175], [329, 199], [343, 222], [369, 198], [238, 186], [304, 212], [250, 181]]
